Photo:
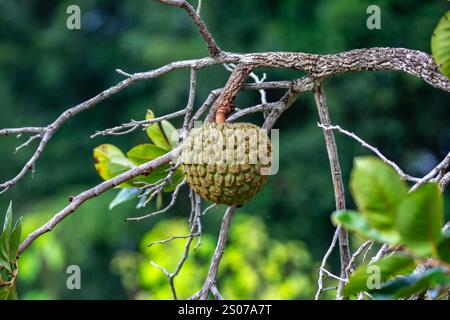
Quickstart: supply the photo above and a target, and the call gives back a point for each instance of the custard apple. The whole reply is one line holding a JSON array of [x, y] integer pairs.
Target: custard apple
[[227, 163]]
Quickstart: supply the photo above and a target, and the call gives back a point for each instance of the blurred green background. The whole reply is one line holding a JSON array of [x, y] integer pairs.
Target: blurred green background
[[278, 239]]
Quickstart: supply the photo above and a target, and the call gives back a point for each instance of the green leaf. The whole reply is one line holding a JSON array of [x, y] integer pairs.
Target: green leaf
[[110, 162], [444, 248], [156, 133], [368, 275], [144, 153], [170, 132], [159, 201], [377, 190], [406, 286], [123, 196], [8, 293], [354, 221], [5, 243], [420, 218], [16, 236], [440, 44]]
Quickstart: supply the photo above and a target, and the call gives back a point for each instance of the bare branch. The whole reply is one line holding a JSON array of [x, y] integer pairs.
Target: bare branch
[[213, 48], [172, 238], [167, 208], [444, 164], [129, 127], [18, 131], [220, 248], [402, 174], [190, 104], [336, 175]]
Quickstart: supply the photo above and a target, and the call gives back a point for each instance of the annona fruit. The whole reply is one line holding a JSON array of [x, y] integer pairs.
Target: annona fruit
[[227, 163]]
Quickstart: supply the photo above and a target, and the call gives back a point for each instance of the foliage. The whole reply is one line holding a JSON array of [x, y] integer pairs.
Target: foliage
[[410, 222], [110, 162], [440, 44], [9, 246], [253, 266]]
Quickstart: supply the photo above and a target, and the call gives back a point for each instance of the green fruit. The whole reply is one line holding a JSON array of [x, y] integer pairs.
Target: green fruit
[[227, 163]]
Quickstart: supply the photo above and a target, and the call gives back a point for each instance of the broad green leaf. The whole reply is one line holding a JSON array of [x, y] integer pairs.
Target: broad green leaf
[[406, 286], [123, 196], [110, 162], [354, 221], [156, 133], [144, 153], [367, 276], [8, 293], [170, 132], [5, 243], [377, 190], [440, 44], [419, 219], [16, 235], [444, 248]]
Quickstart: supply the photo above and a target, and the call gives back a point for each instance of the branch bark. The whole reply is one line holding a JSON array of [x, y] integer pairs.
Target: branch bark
[[336, 175]]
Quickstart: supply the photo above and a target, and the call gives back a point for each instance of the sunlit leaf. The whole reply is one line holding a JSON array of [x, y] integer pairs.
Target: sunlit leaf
[[16, 235], [377, 190], [144, 153], [440, 44], [170, 132], [5, 243], [367, 276], [420, 218], [8, 293], [444, 248], [156, 133], [110, 162]]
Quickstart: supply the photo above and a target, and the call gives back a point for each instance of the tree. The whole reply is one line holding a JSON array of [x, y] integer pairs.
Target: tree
[[318, 69]]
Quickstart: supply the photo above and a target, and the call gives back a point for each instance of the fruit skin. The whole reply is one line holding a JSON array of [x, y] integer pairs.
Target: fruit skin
[[230, 182]]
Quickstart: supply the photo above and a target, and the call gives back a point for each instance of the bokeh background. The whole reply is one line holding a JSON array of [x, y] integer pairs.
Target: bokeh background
[[278, 239]]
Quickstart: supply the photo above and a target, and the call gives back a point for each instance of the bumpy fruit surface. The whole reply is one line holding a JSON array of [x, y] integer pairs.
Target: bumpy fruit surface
[[227, 163]]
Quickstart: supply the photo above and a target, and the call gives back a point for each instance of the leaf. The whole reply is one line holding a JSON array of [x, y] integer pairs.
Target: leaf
[[406, 286], [444, 248], [145, 152], [110, 162], [363, 277], [156, 133], [5, 243], [16, 235], [170, 132], [159, 201], [354, 221], [420, 218], [440, 44], [123, 196], [377, 190], [8, 292]]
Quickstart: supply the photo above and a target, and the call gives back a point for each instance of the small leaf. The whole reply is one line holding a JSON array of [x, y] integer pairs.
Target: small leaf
[[16, 236], [5, 243], [156, 133], [377, 190], [419, 219], [444, 248], [144, 153], [379, 271], [170, 132], [110, 162], [354, 221], [123, 196], [159, 201], [440, 44]]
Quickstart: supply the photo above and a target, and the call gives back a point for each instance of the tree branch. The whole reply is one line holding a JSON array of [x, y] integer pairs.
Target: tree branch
[[336, 175]]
